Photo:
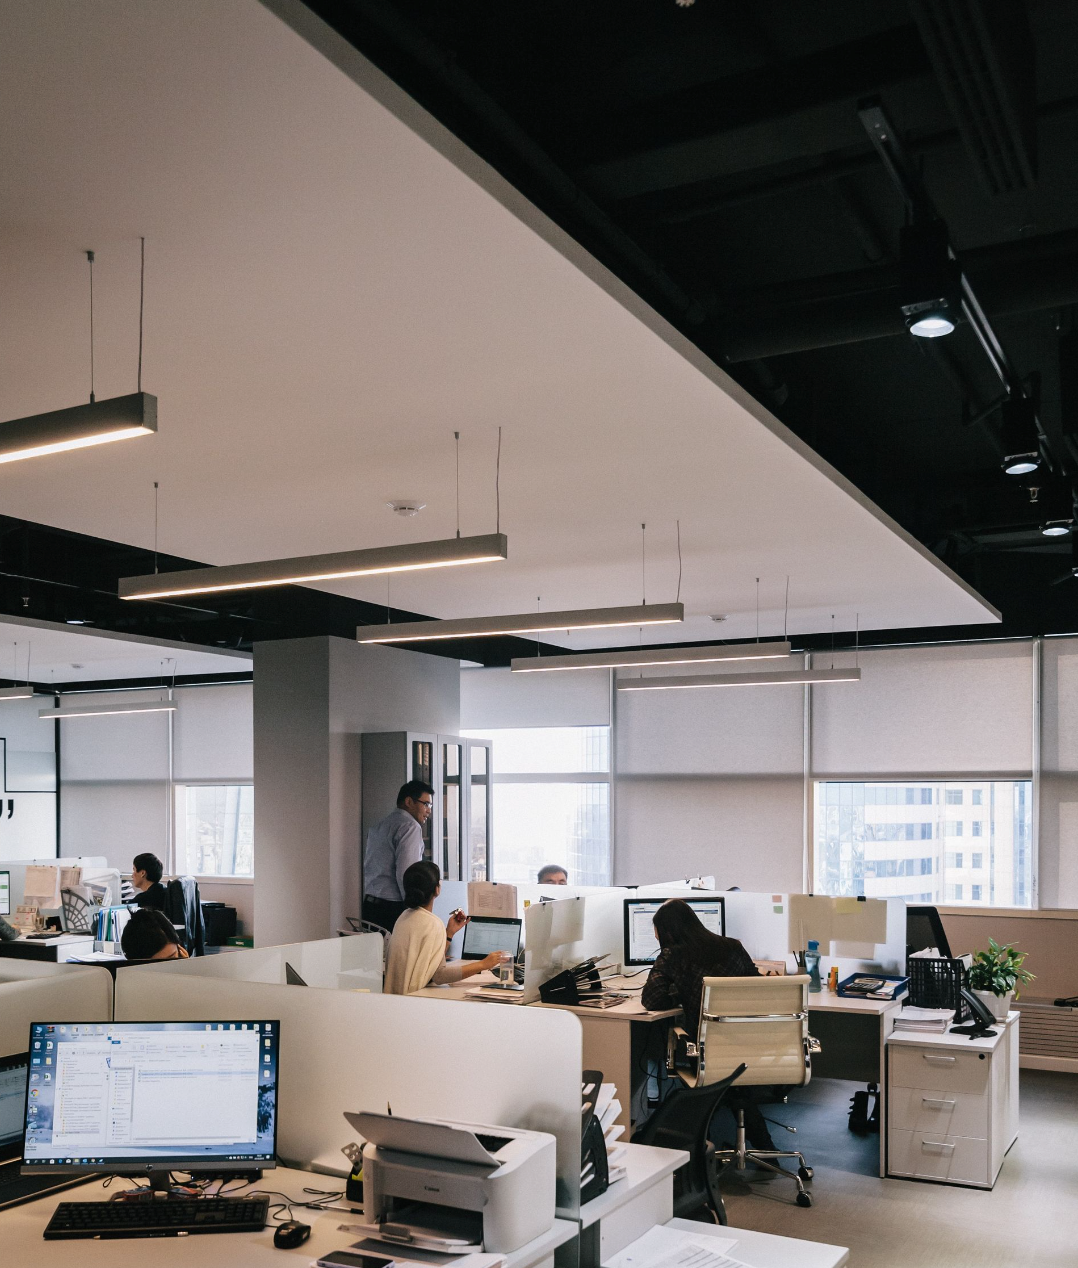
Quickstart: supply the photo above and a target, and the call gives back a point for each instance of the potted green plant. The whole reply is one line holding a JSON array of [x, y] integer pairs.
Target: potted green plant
[[995, 976]]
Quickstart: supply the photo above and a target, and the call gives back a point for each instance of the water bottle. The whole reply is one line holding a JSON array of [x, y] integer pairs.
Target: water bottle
[[812, 963]]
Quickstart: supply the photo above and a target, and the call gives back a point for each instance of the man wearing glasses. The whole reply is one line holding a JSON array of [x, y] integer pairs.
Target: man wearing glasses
[[393, 845]]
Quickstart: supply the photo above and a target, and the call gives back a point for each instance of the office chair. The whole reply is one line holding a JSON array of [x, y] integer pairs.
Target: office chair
[[683, 1121], [757, 1026], [183, 906]]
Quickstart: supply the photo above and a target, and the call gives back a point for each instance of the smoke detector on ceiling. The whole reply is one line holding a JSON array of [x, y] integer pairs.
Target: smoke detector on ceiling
[[406, 506], [718, 616]]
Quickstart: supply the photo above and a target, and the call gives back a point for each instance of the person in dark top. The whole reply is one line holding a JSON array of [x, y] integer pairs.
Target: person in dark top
[[146, 873], [149, 935], [689, 952]]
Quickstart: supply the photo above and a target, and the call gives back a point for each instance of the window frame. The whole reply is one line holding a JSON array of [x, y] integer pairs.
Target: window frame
[[179, 813]]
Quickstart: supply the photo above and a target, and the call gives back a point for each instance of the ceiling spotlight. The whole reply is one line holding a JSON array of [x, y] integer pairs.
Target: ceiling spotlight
[[1021, 438], [1055, 528], [930, 284], [1055, 505]]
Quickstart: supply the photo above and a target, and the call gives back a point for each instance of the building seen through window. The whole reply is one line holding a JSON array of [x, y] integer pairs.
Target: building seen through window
[[887, 840]]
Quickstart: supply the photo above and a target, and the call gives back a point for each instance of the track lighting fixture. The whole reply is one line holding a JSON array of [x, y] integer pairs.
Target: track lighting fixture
[[1057, 512], [930, 281], [1021, 438]]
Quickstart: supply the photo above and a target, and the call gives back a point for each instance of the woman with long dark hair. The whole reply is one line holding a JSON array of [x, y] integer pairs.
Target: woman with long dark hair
[[689, 952], [419, 941]]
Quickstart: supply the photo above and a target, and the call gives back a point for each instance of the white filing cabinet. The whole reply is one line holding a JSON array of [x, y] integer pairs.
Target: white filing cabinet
[[952, 1104]]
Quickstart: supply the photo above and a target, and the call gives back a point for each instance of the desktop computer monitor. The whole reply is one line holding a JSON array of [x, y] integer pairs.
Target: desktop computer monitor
[[13, 1072], [924, 930], [484, 934], [147, 1098], [641, 945], [5, 893]]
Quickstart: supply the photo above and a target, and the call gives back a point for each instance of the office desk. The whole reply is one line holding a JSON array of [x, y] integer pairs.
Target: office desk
[[21, 1228], [631, 1206], [766, 1250], [852, 1034], [615, 1039], [51, 950]]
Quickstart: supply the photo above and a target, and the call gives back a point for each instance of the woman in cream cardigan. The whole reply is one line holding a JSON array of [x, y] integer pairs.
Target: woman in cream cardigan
[[419, 941]]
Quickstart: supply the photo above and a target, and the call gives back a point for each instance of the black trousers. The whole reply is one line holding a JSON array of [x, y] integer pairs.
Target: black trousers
[[381, 911]]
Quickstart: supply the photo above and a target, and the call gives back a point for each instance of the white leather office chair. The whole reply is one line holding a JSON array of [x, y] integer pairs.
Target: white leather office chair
[[761, 1023]]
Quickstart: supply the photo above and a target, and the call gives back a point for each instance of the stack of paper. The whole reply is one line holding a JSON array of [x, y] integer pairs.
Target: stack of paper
[[925, 1020], [664, 1247], [607, 1109]]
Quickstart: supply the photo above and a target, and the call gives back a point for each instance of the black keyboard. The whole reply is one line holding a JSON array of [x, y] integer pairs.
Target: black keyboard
[[149, 1217]]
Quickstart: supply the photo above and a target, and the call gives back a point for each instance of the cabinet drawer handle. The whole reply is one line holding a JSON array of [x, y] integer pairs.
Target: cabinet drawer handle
[[932, 1056], [937, 1144], [937, 1102]]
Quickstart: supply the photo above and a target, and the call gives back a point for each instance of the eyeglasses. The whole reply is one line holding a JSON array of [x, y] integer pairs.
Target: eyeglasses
[[429, 804]]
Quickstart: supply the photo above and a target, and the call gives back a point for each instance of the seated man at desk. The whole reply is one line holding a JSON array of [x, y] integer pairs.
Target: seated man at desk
[[553, 874], [146, 872], [150, 935], [689, 952], [419, 941]]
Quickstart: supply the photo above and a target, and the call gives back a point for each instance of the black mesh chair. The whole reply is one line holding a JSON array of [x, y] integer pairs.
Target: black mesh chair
[[683, 1121]]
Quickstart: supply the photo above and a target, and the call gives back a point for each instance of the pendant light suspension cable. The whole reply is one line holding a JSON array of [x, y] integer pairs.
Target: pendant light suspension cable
[[786, 613], [498, 486], [141, 303], [90, 260], [643, 564], [155, 528], [757, 609], [678, 599], [456, 438]]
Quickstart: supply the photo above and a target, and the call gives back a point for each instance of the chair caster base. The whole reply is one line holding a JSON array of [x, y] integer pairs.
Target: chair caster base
[[804, 1173], [804, 1199]]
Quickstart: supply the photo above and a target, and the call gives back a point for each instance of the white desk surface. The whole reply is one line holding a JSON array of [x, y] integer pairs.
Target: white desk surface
[[645, 1165], [21, 1228], [628, 1010], [765, 1250], [904, 1038], [827, 1001]]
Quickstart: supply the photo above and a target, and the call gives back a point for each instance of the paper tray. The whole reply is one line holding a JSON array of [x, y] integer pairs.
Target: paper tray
[[884, 977]]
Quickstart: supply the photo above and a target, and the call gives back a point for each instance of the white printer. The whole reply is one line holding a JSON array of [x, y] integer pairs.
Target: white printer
[[449, 1186]]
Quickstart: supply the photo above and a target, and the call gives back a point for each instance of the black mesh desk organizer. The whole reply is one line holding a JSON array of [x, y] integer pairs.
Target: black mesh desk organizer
[[938, 984]]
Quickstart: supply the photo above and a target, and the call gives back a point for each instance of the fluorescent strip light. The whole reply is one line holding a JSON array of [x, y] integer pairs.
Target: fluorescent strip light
[[523, 623], [448, 553], [636, 657], [96, 423], [740, 680], [99, 710], [16, 693]]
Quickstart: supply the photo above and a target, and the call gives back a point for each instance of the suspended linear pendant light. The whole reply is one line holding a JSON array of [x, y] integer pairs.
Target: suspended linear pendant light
[[761, 679], [523, 623], [638, 658], [82, 425], [449, 552], [25, 692], [99, 710]]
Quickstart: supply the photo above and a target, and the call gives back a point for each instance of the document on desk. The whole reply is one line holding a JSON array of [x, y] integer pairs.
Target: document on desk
[[662, 1247]]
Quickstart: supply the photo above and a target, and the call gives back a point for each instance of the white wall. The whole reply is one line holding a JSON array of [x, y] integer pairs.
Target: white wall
[[313, 699], [28, 770]]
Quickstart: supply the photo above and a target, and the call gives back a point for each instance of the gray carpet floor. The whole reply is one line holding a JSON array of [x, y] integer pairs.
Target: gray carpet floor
[[1029, 1220]]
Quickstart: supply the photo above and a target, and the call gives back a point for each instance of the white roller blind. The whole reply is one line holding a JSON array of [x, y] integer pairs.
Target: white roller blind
[[498, 698], [725, 731], [929, 710], [1059, 705], [215, 734], [131, 746]]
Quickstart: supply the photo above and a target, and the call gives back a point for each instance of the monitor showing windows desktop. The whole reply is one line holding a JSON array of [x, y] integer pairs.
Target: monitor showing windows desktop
[[13, 1071], [5, 893], [146, 1098], [641, 945]]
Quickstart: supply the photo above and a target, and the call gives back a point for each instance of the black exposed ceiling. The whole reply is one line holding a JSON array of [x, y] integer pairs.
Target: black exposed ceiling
[[712, 156]]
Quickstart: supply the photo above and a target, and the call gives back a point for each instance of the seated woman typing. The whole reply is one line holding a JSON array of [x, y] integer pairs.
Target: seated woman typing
[[689, 952], [419, 940]]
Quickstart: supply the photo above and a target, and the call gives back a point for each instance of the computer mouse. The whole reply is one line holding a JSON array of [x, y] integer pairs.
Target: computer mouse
[[290, 1234]]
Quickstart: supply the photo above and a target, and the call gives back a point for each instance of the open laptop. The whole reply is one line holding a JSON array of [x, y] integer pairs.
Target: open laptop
[[14, 1187]]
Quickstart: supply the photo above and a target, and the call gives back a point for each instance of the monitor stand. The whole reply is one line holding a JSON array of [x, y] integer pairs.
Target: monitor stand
[[161, 1183]]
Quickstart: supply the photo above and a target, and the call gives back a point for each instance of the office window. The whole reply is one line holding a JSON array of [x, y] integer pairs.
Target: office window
[[975, 893], [874, 839], [977, 828], [954, 796], [551, 802], [215, 829]]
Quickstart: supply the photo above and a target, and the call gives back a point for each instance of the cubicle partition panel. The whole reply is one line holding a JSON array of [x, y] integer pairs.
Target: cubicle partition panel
[[331, 963], [760, 922], [33, 991], [568, 930], [513, 1067]]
